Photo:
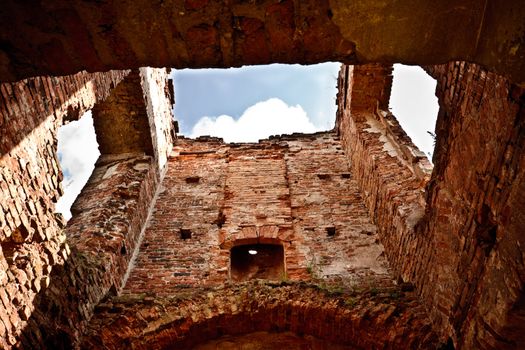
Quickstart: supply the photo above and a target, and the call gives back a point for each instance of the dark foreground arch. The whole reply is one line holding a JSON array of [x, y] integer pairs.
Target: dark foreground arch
[[64, 37], [363, 318]]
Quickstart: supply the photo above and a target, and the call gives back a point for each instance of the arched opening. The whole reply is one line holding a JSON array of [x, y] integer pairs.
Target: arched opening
[[252, 261]]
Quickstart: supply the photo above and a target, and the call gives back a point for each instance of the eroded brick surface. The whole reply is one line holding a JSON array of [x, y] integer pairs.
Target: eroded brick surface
[[475, 209], [333, 227], [166, 261], [390, 171], [122, 121], [296, 191], [31, 236], [109, 214], [363, 318], [453, 235]]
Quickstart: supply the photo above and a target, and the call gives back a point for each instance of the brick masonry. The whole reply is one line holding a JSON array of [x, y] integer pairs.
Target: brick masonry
[[291, 191], [110, 213], [475, 208], [342, 203], [454, 235], [31, 237], [360, 318], [390, 170], [53, 278]]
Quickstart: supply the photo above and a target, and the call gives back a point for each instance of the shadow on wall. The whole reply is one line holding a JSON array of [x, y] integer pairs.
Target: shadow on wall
[[31, 233]]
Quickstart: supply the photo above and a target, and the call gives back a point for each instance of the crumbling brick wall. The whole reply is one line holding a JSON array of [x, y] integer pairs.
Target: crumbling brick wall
[[31, 235], [475, 209], [109, 214], [390, 170], [296, 191], [456, 235], [366, 318], [102, 234]]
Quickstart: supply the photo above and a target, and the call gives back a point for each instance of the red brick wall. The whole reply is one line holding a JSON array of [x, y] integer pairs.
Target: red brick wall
[[123, 113], [289, 190], [365, 318], [390, 171], [31, 236], [460, 243], [475, 208], [108, 216]]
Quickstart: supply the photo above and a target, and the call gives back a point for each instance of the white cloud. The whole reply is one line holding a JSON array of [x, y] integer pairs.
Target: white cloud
[[270, 117], [415, 105], [78, 152]]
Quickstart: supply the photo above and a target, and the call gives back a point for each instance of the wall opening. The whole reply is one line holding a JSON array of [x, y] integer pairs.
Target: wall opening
[[251, 261], [77, 153], [254, 102], [13, 245], [415, 105]]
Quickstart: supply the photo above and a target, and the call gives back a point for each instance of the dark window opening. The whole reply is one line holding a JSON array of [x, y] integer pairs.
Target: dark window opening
[[330, 231], [192, 179], [185, 233], [252, 261]]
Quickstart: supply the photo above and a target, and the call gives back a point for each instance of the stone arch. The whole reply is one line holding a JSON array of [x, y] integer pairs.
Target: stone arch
[[375, 318]]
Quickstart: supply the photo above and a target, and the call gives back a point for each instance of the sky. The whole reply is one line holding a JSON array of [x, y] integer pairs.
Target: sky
[[415, 105], [77, 154], [231, 92], [251, 103]]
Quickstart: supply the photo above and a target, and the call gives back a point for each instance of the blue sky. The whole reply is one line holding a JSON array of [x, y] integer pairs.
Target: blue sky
[[250, 103], [215, 92]]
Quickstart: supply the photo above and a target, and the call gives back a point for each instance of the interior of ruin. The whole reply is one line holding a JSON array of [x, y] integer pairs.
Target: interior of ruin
[[344, 239]]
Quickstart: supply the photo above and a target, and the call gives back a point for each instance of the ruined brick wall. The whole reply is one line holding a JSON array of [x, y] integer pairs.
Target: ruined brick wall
[[457, 238], [121, 121], [390, 170], [295, 191], [31, 236], [108, 216], [105, 228], [361, 318], [475, 209], [137, 117]]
